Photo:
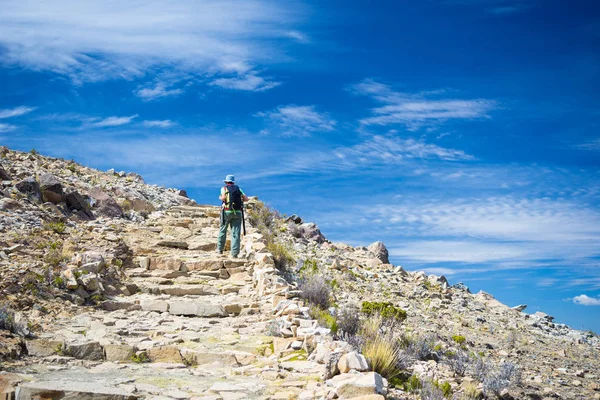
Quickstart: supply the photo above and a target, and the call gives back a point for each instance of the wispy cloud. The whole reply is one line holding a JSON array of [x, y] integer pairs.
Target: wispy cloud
[[7, 127], [113, 121], [293, 120], [16, 112], [416, 110], [497, 7], [91, 41], [585, 300], [593, 145], [157, 92], [249, 82], [392, 150], [167, 123]]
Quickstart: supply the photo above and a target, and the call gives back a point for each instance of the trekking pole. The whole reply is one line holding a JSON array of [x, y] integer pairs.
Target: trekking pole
[[244, 221]]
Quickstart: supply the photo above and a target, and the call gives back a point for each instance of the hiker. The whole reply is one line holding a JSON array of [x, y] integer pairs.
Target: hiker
[[232, 213]]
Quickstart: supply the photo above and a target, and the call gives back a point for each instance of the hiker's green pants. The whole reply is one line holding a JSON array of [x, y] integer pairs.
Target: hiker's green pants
[[235, 220]]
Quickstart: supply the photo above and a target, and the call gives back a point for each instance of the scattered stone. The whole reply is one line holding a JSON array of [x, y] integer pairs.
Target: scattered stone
[[51, 188]]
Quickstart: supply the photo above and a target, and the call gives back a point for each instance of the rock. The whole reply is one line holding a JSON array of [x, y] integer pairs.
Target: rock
[[68, 390], [173, 244], [4, 175], [76, 202], [29, 187], [51, 188], [380, 251], [165, 354], [310, 231], [353, 360], [90, 282], [348, 386], [43, 347], [86, 351], [183, 193], [197, 308], [520, 307], [154, 305], [117, 352], [104, 204], [8, 384]]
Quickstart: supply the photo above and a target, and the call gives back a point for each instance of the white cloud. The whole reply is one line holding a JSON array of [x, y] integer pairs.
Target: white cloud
[[157, 92], [467, 251], [593, 145], [585, 300], [390, 150], [293, 120], [16, 112], [416, 110], [7, 127], [167, 123], [249, 82], [91, 41], [113, 121]]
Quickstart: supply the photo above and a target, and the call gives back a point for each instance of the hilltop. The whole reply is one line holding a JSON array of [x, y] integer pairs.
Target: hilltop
[[111, 288]]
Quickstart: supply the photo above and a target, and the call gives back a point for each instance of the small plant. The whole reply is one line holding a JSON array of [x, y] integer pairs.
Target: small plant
[[413, 384], [420, 347], [190, 361], [56, 227], [385, 309], [348, 320], [72, 167], [97, 298], [459, 339], [480, 368], [59, 350], [140, 357], [325, 319], [309, 267], [506, 375], [33, 152], [459, 362], [432, 390], [59, 282], [281, 255], [315, 290], [262, 217], [383, 354]]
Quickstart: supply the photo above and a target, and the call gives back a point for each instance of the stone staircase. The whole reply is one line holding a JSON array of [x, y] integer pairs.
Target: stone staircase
[[194, 326]]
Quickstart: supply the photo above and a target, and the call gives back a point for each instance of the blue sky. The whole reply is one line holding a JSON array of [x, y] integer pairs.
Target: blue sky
[[462, 133]]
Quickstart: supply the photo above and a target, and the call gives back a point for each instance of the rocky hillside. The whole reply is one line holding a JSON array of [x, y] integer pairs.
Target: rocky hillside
[[112, 289]]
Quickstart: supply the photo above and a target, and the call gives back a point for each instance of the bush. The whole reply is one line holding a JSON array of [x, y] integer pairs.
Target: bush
[[480, 369], [262, 217], [383, 354], [315, 290], [421, 347], [431, 390], [348, 320], [56, 227], [459, 339], [506, 375], [281, 255], [459, 362], [385, 309], [325, 319]]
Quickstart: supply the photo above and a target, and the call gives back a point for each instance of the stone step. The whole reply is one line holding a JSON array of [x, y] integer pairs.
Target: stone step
[[179, 289], [71, 390]]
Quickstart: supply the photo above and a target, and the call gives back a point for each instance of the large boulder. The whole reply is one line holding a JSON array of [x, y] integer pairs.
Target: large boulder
[[380, 251], [104, 204], [51, 188], [310, 231], [77, 203], [29, 187]]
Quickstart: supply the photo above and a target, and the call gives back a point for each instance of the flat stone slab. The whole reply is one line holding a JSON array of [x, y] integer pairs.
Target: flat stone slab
[[196, 308], [66, 390]]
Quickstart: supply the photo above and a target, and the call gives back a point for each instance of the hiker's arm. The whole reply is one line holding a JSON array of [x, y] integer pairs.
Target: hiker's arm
[[223, 195], [244, 197]]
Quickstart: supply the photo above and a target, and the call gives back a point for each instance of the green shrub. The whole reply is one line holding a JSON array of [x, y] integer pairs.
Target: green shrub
[[56, 227], [140, 357], [262, 217], [459, 339], [281, 255], [325, 319], [386, 309]]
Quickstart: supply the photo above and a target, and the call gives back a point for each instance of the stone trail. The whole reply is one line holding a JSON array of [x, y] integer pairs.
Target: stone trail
[[193, 327]]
